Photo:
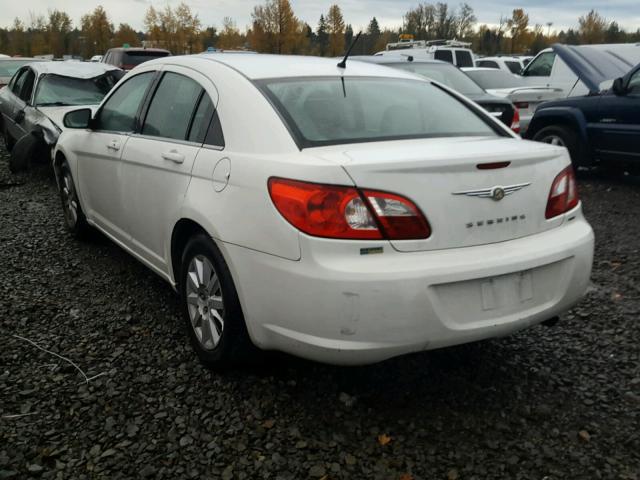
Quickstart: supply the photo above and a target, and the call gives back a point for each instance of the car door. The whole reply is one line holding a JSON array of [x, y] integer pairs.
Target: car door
[[157, 161], [14, 116], [99, 164]]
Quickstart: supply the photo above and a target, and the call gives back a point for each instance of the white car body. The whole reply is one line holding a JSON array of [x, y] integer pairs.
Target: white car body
[[477, 276], [525, 98], [508, 64]]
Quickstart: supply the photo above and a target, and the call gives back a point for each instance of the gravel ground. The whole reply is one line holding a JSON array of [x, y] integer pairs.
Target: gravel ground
[[548, 403]]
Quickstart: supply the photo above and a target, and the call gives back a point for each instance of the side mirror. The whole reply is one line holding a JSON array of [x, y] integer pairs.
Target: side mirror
[[618, 87], [78, 118]]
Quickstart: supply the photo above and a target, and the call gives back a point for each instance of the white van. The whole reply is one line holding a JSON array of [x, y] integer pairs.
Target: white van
[[547, 69], [451, 51]]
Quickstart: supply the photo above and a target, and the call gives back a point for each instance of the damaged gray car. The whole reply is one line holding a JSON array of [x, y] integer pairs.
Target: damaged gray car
[[37, 97]]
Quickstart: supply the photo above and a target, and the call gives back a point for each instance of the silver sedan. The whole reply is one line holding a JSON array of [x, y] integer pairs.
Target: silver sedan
[[37, 97]]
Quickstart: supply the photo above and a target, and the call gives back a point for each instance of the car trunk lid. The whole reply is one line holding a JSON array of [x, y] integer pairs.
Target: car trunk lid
[[462, 202]]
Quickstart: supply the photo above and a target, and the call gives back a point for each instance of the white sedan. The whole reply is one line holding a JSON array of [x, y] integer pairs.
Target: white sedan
[[346, 215]]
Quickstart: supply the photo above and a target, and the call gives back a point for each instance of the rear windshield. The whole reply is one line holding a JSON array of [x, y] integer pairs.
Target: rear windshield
[[136, 58], [56, 90], [443, 73], [339, 110], [496, 79], [9, 67]]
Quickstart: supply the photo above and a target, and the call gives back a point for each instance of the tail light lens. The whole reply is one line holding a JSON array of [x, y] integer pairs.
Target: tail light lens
[[332, 211], [515, 123], [563, 195]]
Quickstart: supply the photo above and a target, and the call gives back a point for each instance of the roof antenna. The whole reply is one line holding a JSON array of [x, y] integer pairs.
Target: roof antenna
[[343, 63]]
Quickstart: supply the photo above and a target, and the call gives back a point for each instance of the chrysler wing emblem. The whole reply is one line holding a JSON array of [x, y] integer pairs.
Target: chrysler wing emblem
[[496, 193]]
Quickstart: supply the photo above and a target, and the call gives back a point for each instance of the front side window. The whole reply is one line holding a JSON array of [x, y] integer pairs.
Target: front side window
[[448, 75], [444, 55], [463, 58], [60, 90], [334, 110], [118, 114], [541, 66], [172, 107]]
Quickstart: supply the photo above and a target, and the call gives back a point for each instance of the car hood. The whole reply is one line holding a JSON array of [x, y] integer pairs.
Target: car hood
[[595, 64]]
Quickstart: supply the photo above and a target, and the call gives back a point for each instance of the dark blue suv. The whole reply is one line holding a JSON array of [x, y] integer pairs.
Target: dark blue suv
[[602, 127]]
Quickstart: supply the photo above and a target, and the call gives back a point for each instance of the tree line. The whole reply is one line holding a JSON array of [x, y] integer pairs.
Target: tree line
[[275, 28]]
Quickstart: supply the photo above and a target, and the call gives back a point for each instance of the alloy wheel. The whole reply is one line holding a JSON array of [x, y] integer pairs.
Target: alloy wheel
[[554, 140], [204, 302], [69, 200]]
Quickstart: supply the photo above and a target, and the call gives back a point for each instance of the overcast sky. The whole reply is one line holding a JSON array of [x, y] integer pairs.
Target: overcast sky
[[357, 12]]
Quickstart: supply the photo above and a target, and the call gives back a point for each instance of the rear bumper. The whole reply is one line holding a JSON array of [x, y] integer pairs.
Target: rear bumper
[[337, 306]]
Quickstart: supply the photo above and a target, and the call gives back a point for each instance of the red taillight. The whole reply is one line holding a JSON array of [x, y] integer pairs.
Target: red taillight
[[515, 123], [332, 211], [563, 195]]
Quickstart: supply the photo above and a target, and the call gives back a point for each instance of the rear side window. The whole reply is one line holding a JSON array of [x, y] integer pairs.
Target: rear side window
[[514, 67], [444, 55], [463, 58], [27, 87], [18, 81], [201, 120], [172, 107], [487, 64], [541, 66], [118, 114]]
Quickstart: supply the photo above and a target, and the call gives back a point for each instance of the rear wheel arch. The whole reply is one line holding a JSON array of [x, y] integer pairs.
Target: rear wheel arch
[[183, 231]]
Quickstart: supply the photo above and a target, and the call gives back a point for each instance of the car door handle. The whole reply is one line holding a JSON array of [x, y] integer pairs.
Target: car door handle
[[173, 156], [113, 145]]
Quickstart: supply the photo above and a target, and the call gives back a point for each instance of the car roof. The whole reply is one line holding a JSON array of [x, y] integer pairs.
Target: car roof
[[72, 68], [262, 66]]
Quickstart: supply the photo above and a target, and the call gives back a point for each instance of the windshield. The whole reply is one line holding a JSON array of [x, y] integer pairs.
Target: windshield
[[9, 67], [59, 90], [443, 73], [495, 79], [338, 110]]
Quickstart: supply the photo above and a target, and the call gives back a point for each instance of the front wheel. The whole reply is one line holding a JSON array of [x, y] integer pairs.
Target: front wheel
[[73, 214], [211, 308], [564, 137]]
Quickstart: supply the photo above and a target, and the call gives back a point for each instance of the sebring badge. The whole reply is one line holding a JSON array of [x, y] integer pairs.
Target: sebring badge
[[496, 193]]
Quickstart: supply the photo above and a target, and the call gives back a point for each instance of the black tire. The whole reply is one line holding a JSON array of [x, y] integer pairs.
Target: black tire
[[233, 347], [76, 224], [566, 138]]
